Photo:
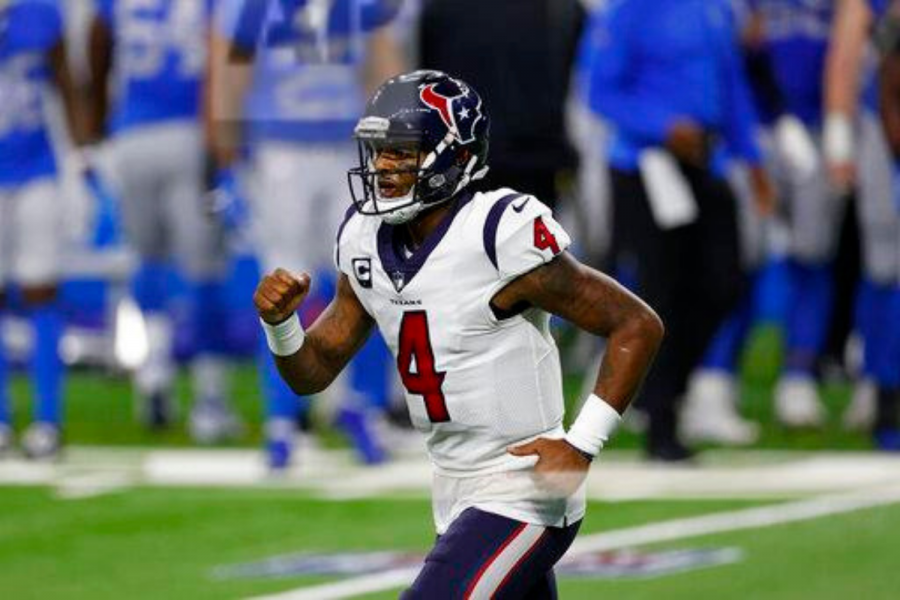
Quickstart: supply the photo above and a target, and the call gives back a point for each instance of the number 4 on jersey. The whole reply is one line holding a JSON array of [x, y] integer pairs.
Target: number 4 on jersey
[[543, 239], [415, 344]]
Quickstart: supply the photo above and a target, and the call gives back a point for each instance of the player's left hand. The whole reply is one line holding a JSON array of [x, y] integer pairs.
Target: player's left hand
[[560, 467]]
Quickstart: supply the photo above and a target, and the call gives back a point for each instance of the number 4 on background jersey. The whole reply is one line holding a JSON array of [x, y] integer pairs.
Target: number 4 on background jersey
[[416, 351]]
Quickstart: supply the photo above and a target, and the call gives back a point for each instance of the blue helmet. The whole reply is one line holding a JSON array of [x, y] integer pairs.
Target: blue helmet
[[440, 116]]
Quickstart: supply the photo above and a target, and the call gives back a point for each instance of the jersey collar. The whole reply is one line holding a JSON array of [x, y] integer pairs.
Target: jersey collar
[[396, 265]]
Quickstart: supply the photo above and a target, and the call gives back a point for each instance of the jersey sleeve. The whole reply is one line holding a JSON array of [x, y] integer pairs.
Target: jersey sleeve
[[44, 23], [525, 236], [342, 242]]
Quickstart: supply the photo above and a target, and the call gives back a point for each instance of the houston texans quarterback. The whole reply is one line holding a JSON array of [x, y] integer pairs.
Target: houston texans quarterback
[[461, 283]]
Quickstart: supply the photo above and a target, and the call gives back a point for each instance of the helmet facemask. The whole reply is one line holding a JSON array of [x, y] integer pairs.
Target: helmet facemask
[[391, 193], [438, 173]]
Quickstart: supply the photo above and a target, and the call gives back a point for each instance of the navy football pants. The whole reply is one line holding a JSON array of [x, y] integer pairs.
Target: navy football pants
[[483, 556]]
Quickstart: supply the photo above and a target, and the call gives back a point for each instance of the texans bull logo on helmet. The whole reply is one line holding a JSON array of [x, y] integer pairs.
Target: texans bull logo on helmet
[[462, 122], [445, 120]]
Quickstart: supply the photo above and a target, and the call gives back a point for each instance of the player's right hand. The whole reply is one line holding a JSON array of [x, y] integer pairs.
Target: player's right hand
[[279, 294]]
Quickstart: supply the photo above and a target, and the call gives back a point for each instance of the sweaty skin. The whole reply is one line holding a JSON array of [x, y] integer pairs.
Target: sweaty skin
[[564, 287]]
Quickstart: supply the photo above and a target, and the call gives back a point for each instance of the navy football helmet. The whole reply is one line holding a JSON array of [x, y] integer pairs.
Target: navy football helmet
[[439, 117]]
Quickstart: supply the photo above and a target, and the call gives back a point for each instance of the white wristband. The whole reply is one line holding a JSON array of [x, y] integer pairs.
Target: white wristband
[[285, 338], [837, 138], [594, 425]]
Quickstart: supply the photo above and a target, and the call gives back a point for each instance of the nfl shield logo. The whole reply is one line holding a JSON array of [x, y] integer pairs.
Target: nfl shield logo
[[399, 280]]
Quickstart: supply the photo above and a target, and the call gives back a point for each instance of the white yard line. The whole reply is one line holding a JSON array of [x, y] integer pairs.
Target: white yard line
[[663, 531], [90, 485], [350, 588], [334, 475]]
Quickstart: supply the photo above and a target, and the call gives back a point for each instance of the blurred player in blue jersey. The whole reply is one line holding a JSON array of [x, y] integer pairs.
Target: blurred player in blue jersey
[[32, 59], [886, 425], [791, 42], [147, 58], [288, 84], [856, 22]]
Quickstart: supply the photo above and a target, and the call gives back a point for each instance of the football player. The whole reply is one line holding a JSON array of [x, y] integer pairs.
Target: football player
[[788, 41], [294, 84], [32, 59], [857, 154], [147, 58], [461, 283]]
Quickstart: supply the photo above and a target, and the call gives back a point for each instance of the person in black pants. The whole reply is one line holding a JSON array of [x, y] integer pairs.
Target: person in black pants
[[691, 275], [668, 77]]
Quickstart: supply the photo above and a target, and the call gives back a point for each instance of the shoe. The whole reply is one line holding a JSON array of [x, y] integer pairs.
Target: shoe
[[797, 402], [156, 410], [212, 421], [860, 413], [281, 434], [6, 439], [709, 413], [278, 455], [671, 451], [41, 441], [357, 425], [887, 440]]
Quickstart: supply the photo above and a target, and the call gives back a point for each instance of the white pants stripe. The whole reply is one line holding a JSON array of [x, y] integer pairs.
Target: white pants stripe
[[502, 564]]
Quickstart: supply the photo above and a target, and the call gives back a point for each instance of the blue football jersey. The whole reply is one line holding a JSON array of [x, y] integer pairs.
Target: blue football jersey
[[308, 55], [28, 30], [879, 7], [797, 33], [159, 58]]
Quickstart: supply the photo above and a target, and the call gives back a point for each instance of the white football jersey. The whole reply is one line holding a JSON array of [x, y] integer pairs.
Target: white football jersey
[[476, 383]]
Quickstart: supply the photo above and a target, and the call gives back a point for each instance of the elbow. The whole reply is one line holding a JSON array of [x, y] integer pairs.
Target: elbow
[[300, 388], [650, 327], [306, 388], [298, 380]]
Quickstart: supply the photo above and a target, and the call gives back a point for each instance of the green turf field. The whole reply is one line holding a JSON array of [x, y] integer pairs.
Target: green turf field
[[99, 409], [137, 541], [166, 544]]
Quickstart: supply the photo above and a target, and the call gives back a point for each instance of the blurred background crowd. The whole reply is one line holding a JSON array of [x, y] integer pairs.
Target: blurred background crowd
[[730, 160]]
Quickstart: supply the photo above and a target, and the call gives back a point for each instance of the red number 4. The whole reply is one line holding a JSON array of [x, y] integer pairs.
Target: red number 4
[[543, 239], [415, 343]]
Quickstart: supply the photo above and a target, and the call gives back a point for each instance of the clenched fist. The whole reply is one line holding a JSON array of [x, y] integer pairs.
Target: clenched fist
[[279, 294]]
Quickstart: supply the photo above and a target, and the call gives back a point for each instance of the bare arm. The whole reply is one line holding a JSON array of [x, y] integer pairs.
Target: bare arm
[[100, 60], [384, 59], [330, 342], [849, 36], [597, 304], [843, 65], [230, 72], [601, 306], [69, 93]]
